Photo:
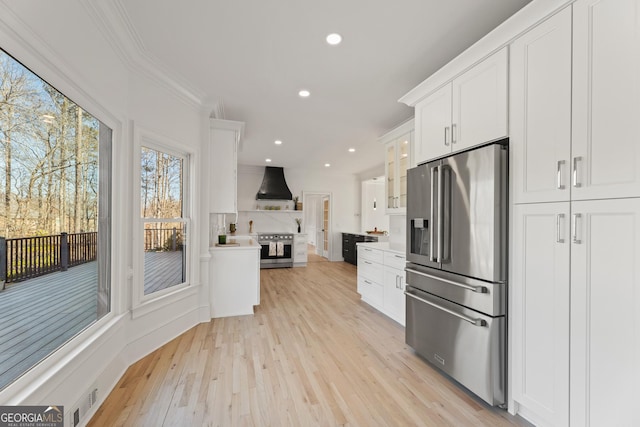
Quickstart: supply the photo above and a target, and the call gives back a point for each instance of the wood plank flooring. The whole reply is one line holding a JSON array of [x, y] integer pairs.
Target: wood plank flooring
[[312, 355]]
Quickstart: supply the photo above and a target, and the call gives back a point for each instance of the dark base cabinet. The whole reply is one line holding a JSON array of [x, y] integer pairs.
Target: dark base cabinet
[[349, 248]]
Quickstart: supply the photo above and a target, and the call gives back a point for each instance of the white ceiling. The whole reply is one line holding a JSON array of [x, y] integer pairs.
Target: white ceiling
[[254, 56]]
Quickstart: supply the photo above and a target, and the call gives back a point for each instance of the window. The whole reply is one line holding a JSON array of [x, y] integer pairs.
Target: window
[[55, 196], [165, 225]]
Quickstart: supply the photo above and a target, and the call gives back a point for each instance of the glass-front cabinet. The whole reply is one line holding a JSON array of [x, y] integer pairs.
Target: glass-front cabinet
[[397, 151]]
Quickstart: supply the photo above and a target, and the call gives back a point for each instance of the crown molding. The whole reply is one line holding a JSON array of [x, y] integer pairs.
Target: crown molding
[[115, 25]]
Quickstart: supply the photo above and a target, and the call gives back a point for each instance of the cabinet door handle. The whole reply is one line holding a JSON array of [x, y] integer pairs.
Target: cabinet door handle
[[559, 217], [397, 281], [401, 287], [399, 256], [367, 262], [368, 282], [575, 171], [576, 217], [453, 133], [446, 136], [560, 185]]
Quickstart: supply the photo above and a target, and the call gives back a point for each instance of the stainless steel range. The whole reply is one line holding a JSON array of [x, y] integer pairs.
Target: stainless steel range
[[276, 250]]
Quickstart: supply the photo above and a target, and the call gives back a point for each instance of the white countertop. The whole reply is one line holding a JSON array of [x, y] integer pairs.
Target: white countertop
[[384, 246], [243, 243]]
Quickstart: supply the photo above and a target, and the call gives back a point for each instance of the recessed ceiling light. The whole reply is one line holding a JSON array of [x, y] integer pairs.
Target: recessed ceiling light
[[304, 93], [326, 165], [352, 150], [334, 39], [267, 160], [277, 142]]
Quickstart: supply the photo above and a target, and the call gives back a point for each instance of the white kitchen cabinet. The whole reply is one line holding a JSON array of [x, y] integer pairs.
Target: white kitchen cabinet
[[605, 313], [224, 137], [469, 110], [540, 111], [381, 279], [394, 283], [398, 144], [300, 250], [370, 276], [540, 285], [606, 99], [433, 124]]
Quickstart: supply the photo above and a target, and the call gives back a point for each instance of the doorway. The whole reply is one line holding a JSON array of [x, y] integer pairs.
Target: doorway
[[317, 214]]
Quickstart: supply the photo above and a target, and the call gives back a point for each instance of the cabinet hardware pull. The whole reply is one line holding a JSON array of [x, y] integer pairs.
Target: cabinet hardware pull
[[399, 256], [478, 289], [575, 171], [560, 185], [559, 217], [453, 133], [397, 281], [476, 322], [368, 282], [576, 217], [400, 277], [367, 262], [446, 139]]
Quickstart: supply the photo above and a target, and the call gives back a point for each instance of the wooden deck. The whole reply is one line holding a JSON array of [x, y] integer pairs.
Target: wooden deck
[[39, 315], [162, 270]]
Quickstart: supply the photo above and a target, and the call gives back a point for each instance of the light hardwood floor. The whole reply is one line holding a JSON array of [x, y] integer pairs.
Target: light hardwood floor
[[312, 355]]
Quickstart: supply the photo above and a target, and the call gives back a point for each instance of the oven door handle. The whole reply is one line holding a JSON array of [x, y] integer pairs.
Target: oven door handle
[[478, 289], [475, 322]]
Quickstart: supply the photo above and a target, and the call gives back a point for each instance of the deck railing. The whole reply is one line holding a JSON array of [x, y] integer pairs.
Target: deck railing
[[162, 239], [27, 257]]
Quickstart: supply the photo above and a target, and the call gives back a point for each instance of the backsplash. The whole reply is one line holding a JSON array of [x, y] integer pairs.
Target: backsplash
[[398, 230]]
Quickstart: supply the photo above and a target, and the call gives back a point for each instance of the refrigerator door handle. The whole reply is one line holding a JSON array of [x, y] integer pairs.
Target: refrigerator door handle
[[432, 234], [475, 322], [478, 289], [440, 214]]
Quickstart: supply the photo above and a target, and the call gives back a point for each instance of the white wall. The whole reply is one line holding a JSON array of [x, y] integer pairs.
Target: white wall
[[344, 190], [62, 42]]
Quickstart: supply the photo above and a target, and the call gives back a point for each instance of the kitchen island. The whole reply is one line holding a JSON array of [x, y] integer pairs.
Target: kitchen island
[[234, 277]]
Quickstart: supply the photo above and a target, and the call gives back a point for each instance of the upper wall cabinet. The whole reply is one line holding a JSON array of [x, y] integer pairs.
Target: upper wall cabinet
[[398, 144], [606, 99], [540, 111], [224, 137], [586, 144], [469, 110]]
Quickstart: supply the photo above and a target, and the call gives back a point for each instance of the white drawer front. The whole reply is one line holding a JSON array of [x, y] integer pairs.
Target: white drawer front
[[395, 260], [371, 291], [371, 270], [375, 255]]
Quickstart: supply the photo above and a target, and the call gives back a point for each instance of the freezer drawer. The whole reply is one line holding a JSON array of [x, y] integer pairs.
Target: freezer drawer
[[463, 343], [485, 297]]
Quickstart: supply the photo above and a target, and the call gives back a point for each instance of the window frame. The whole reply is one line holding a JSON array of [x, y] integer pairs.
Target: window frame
[[141, 303], [54, 73]]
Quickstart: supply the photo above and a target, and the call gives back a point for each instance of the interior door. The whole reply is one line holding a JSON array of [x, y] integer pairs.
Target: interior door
[[325, 226]]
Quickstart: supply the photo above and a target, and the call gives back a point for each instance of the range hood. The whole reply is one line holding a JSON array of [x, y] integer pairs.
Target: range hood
[[274, 187]]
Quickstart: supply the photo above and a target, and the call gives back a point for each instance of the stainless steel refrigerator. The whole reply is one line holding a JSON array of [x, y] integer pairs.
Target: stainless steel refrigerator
[[457, 267]]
